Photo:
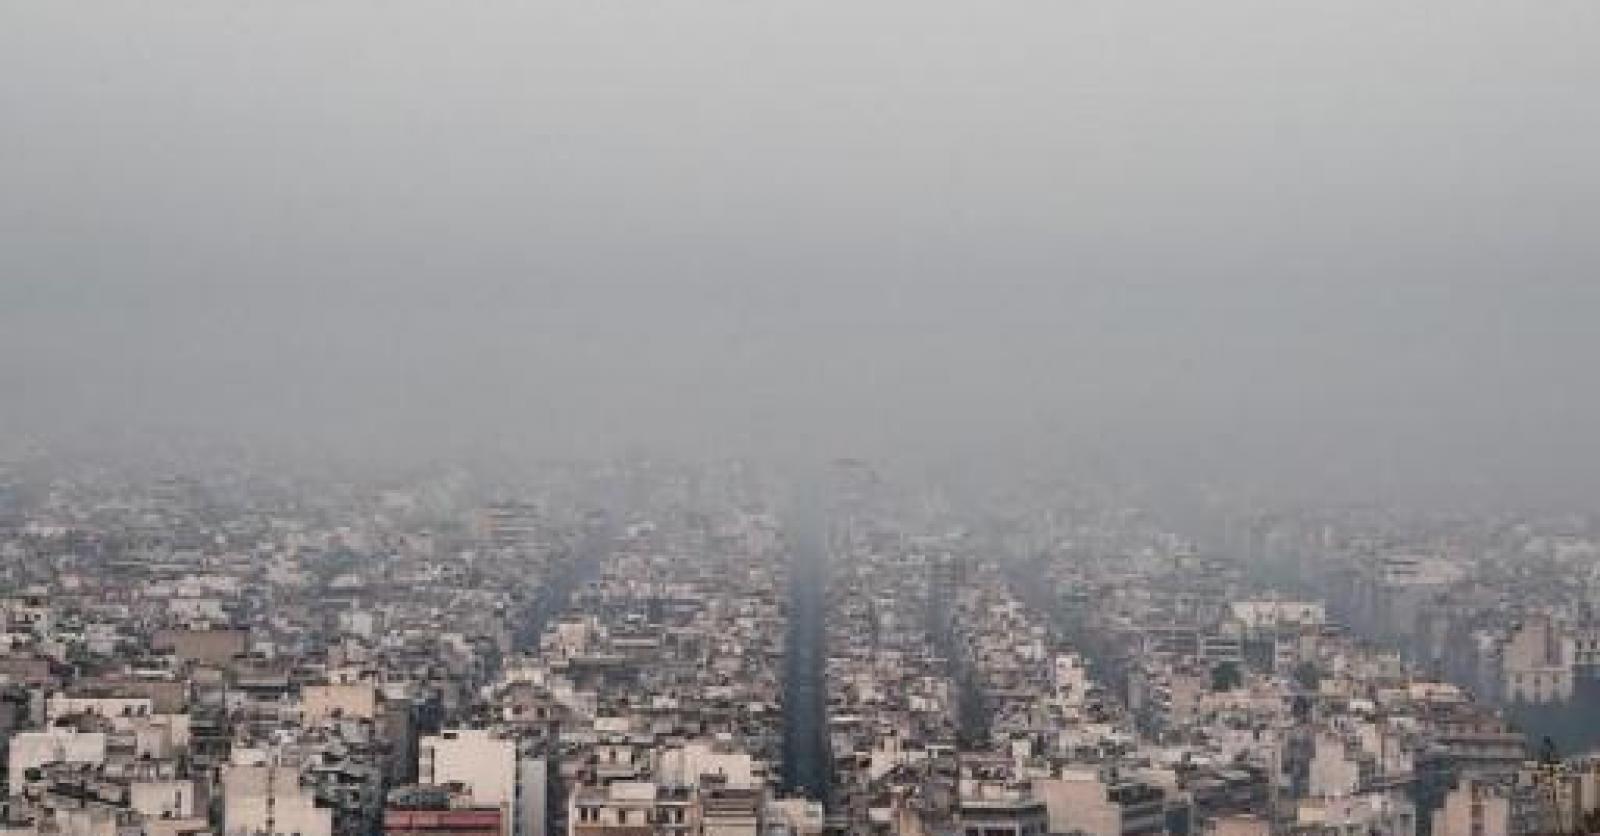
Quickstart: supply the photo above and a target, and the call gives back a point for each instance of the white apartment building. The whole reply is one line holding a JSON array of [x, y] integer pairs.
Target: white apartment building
[[270, 801]]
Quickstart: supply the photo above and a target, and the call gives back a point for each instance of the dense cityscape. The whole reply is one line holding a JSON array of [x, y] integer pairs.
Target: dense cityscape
[[766, 418], [647, 647]]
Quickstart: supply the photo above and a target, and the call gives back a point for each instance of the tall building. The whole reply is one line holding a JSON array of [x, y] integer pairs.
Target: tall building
[[489, 773]]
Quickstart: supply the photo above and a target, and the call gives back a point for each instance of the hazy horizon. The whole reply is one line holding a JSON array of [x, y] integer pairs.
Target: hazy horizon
[[1347, 243]]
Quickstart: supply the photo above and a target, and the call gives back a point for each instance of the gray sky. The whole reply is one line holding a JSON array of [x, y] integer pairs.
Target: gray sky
[[1357, 236]]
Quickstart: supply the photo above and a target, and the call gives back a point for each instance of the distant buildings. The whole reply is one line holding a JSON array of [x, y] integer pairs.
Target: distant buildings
[[610, 655]]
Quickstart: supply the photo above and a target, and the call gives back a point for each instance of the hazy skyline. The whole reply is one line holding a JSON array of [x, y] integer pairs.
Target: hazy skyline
[[1354, 238]]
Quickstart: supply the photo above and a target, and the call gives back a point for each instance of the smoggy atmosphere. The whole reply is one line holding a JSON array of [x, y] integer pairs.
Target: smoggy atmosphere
[[1253, 237], [713, 418]]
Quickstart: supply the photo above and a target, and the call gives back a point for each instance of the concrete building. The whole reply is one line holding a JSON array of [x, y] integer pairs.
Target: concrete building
[[1537, 663], [623, 808], [1003, 817], [1101, 805], [164, 799], [1364, 814], [271, 801], [1475, 808], [730, 811], [29, 750], [438, 811], [484, 765], [349, 701]]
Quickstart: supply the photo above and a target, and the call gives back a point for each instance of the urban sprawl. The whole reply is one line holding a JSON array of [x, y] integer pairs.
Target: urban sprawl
[[645, 648]]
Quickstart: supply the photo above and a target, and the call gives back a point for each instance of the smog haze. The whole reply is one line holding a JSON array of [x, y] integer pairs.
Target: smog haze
[[1351, 242]]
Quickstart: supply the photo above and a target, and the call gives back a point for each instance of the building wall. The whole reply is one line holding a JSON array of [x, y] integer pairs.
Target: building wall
[[486, 766], [618, 809], [163, 799], [93, 820], [34, 749], [1078, 803], [533, 807], [321, 702], [270, 800], [162, 736], [212, 647], [1537, 666], [1474, 809], [684, 766], [1367, 814], [1333, 772], [176, 827], [121, 710], [731, 826]]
